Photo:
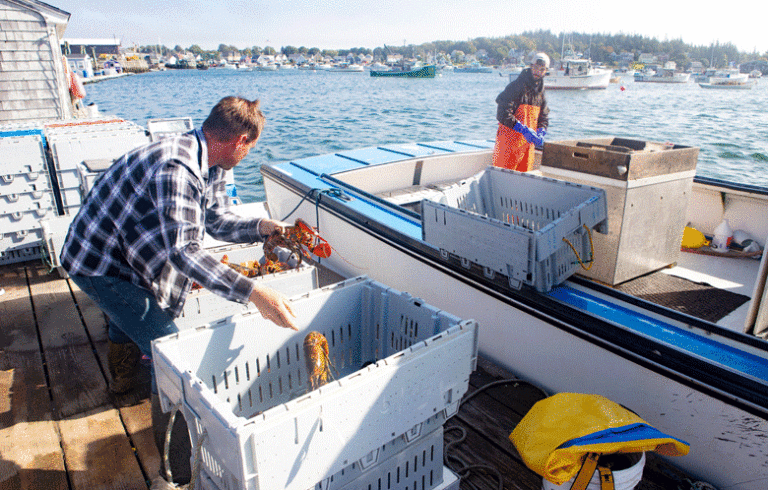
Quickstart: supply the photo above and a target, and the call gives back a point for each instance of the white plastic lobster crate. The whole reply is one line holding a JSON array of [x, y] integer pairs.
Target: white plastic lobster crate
[[69, 150], [20, 246], [202, 306], [397, 362], [413, 460], [25, 193], [520, 225]]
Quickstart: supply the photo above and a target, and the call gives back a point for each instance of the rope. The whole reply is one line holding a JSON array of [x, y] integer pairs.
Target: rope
[[46, 257], [160, 484], [167, 443], [591, 250], [317, 199], [338, 193], [464, 470]]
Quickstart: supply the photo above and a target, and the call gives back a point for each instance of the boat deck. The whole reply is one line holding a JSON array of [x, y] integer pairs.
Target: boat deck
[[59, 428]]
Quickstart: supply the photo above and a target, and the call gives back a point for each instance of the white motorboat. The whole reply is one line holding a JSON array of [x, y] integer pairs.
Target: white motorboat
[[573, 72], [729, 79], [698, 380], [665, 75], [347, 68]]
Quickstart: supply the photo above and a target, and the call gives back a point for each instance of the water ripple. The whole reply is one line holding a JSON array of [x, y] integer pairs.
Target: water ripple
[[314, 113]]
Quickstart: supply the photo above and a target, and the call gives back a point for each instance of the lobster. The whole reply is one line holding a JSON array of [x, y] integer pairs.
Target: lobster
[[318, 362], [300, 239], [252, 268]]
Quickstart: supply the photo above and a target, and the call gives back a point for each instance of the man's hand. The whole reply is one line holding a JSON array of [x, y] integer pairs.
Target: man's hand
[[273, 306], [269, 226]]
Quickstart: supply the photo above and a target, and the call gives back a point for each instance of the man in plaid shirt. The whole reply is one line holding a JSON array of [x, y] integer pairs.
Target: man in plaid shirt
[[135, 246]]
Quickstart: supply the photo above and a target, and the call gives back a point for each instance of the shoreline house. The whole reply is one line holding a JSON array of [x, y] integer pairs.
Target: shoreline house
[[34, 85], [82, 64]]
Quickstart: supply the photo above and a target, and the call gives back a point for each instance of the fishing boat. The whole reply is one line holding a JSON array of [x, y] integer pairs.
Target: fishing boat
[[702, 380], [347, 68], [426, 71], [473, 67], [664, 75], [573, 73], [729, 79]]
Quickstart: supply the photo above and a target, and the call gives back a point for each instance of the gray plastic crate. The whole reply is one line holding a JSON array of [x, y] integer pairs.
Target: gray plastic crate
[[22, 155], [412, 460], [26, 182], [202, 306], [165, 127], [398, 362], [21, 246], [516, 224], [68, 151]]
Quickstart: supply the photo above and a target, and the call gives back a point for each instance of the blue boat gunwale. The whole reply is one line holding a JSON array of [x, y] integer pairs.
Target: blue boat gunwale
[[687, 368]]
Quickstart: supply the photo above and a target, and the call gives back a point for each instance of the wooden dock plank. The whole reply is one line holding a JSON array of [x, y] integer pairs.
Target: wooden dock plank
[[17, 324], [98, 453], [138, 423], [30, 454], [77, 381]]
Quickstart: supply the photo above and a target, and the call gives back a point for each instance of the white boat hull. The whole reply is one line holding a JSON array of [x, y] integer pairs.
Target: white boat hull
[[557, 80], [729, 86], [729, 443]]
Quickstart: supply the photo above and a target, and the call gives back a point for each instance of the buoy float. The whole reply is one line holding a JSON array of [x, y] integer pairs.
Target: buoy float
[[76, 87]]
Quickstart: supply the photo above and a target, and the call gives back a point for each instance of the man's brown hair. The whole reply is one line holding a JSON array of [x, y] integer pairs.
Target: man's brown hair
[[233, 116]]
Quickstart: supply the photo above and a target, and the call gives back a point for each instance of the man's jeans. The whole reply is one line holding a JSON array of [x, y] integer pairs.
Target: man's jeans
[[133, 312]]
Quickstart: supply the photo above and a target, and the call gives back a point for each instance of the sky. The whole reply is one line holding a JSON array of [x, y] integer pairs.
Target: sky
[[344, 24]]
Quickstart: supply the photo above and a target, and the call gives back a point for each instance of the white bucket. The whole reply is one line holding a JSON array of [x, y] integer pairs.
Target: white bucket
[[623, 479]]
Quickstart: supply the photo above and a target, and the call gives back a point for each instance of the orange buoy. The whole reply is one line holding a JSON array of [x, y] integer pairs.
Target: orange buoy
[[76, 87]]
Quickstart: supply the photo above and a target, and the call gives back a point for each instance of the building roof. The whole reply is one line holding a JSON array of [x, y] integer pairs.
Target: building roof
[[92, 42], [51, 14]]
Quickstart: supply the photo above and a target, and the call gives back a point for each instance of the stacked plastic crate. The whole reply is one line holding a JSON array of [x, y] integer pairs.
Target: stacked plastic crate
[[71, 143], [398, 370], [26, 195]]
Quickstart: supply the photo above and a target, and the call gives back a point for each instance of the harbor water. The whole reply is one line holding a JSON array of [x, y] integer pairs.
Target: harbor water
[[310, 113]]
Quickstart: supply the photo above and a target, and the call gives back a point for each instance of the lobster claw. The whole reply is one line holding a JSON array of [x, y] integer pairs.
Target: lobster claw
[[321, 247], [322, 250]]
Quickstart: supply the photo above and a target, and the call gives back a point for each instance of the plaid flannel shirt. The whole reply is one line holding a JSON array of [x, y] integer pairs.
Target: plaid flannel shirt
[[145, 218]]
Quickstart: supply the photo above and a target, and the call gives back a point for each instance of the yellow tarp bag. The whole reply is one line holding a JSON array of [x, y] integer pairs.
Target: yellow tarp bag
[[558, 432]]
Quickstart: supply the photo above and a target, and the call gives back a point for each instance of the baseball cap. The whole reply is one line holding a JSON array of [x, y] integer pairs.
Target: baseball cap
[[540, 59]]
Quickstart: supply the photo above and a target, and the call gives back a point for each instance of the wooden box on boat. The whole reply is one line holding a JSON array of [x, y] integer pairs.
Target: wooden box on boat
[[647, 186]]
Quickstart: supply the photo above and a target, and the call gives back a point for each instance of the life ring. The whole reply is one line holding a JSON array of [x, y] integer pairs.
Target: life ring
[[76, 87]]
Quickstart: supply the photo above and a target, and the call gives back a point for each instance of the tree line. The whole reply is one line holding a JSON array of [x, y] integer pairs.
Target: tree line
[[599, 47]]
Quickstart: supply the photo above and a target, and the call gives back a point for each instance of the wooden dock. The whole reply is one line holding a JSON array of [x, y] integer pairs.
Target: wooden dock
[[60, 429]]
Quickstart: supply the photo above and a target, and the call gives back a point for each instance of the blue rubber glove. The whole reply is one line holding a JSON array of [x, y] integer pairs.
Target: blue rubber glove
[[528, 134], [541, 132]]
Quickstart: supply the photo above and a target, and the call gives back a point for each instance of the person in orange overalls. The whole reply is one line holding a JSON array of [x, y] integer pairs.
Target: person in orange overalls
[[523, 117]]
